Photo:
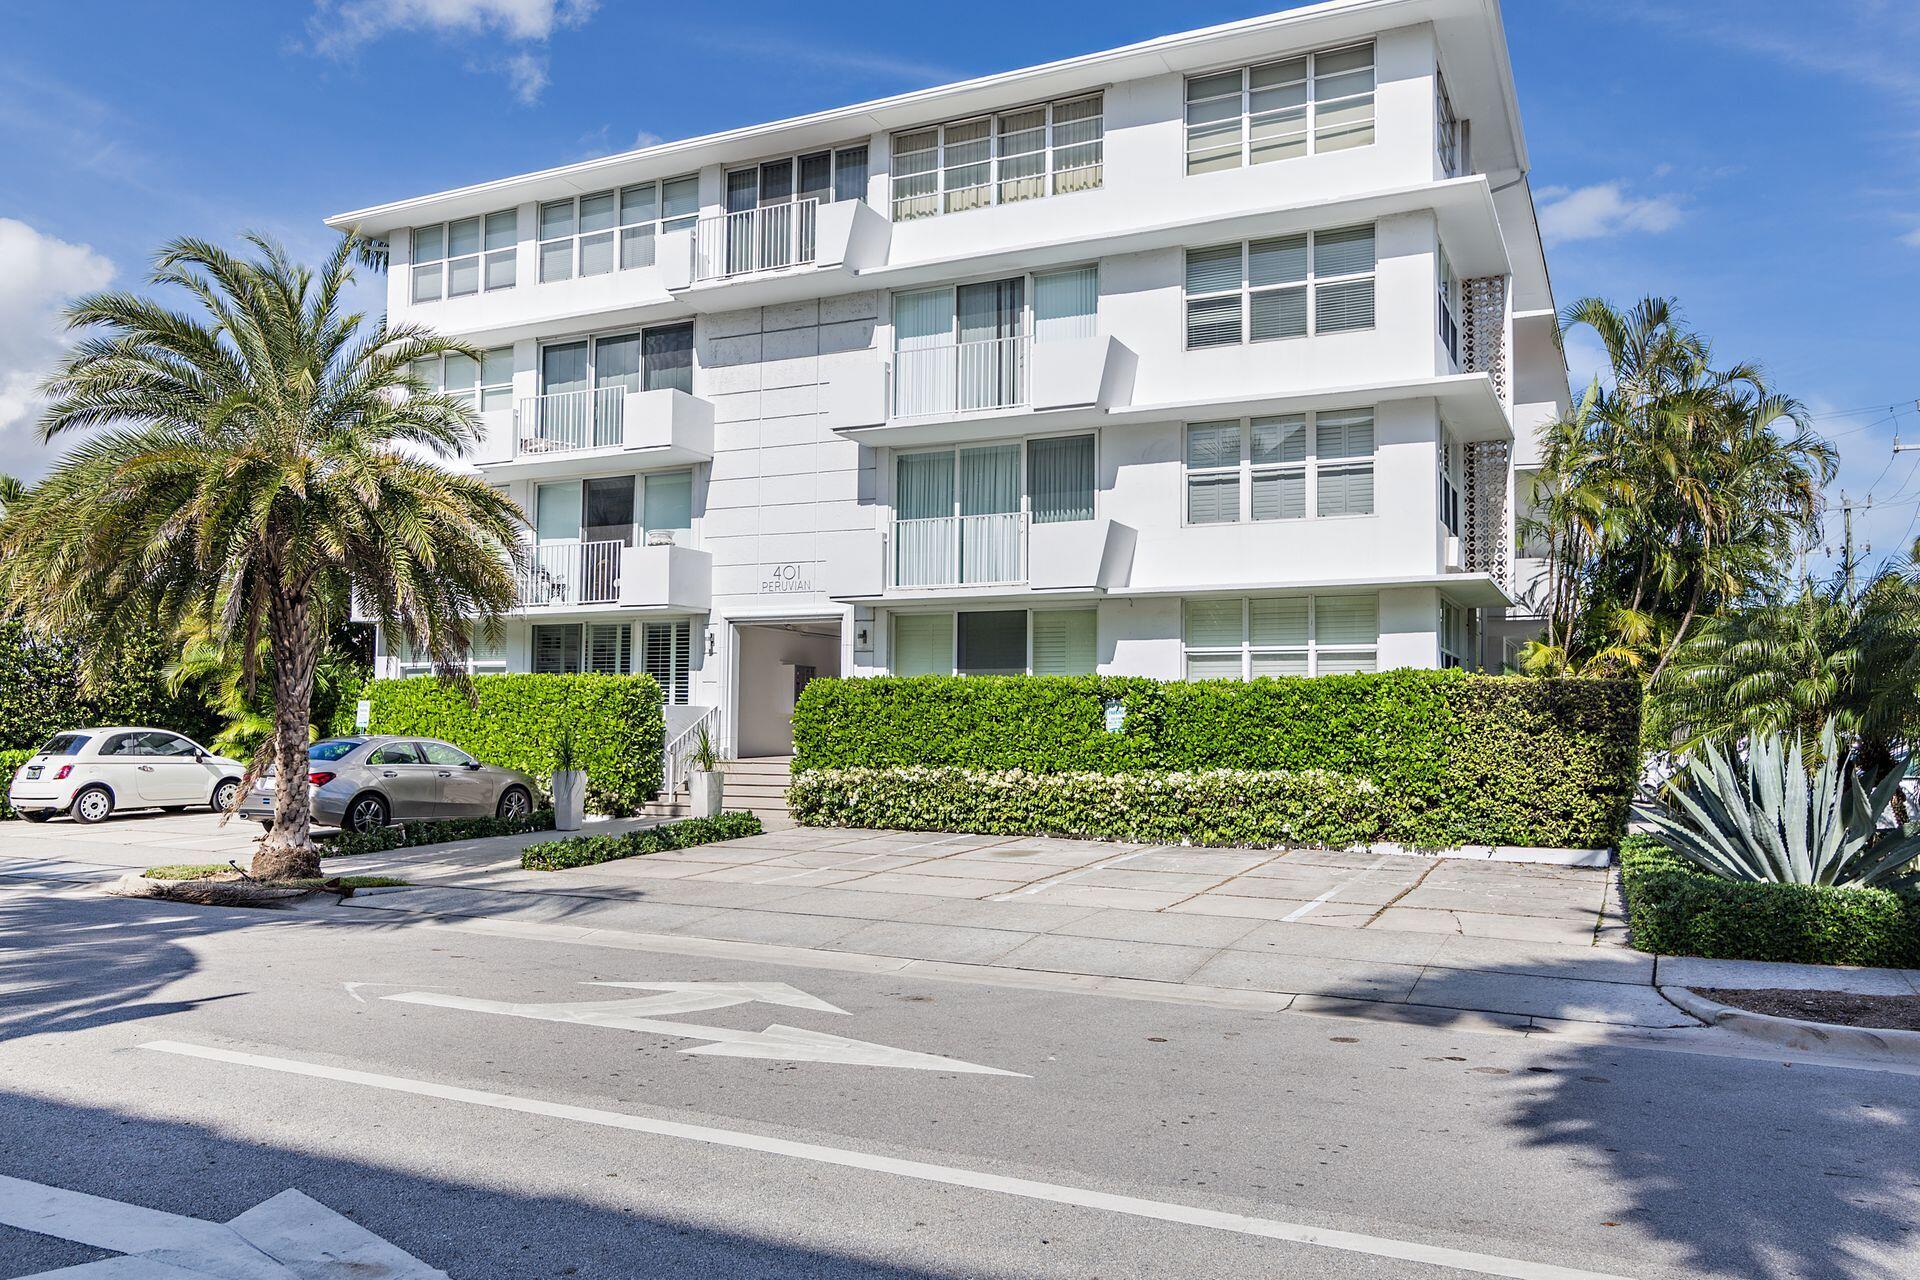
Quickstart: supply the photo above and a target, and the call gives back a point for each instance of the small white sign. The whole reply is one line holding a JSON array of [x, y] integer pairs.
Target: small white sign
[[1116, 717], [362, 715]]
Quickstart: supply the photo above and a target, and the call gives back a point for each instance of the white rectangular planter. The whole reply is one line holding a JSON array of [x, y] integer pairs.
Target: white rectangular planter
[[569, 799], [704, 792]]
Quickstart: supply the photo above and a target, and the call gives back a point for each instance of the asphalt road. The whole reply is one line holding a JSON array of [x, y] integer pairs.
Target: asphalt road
[[1128, 1138]]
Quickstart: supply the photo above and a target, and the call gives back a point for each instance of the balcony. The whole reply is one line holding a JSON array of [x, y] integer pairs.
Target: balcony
[[960, 551], [959, 391], [573, 574], [960, 377], [569, 432], [769, 255], [771, 238]]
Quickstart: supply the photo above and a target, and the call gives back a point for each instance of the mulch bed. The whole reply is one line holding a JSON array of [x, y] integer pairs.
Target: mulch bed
[[1891, 1013]]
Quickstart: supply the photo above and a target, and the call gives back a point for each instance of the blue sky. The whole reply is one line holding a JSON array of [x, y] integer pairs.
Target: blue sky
[[1757, 159]]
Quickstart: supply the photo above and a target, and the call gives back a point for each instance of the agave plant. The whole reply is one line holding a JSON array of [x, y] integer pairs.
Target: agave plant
[[1771, 819]]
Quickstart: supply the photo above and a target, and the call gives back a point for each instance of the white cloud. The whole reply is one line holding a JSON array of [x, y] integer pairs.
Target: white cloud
[[341, 27], [38, 273], [1912, 238], [1602, 210]]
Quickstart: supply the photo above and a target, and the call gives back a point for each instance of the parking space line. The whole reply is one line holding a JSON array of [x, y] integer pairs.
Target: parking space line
[[1071, 875], [1308, 908], [922, 1171]]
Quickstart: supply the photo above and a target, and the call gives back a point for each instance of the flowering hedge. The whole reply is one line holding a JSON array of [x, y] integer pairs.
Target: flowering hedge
[[1206, 806]]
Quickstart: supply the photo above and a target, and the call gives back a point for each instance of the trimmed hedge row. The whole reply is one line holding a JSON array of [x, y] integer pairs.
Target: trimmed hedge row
[[10, 762], [1460, 759], [408, 835], [586, 851], [619, 727], [1674, 908], [1207, 807]]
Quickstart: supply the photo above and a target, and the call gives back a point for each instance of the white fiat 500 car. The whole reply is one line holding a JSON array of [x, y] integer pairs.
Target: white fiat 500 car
[[92, 772]]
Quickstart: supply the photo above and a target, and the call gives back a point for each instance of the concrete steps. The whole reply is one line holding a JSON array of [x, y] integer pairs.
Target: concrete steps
[[759, 786]]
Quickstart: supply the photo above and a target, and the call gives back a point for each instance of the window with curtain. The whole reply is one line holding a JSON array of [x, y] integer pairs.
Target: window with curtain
[[991, 643], [1239, 639], [923, 644], [616, 361], [1065, 304], [1060, 479], [460, 258], [1287, 465], [667, 654], [1045, 149], [1304, 105], [605, 231], [1065, 642], [1283, 287], [669, 502]]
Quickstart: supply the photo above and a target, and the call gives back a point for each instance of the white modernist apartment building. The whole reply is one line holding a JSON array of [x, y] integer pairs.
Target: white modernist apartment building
[[1213, 356]]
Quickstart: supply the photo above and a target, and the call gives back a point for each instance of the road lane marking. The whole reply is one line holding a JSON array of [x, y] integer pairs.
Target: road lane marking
[[1071, 875], [1308, 908], [917, 1170]]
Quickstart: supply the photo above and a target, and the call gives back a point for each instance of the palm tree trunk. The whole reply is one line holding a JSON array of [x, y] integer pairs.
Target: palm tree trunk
[[289, 852], [1679, 633]]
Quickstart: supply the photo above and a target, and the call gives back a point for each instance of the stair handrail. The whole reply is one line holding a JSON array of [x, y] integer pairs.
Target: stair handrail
[[676, 762]]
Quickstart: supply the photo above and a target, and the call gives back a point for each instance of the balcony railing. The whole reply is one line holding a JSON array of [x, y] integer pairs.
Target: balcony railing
[[568, 420], [571, 572], [950, 551], [960, 377], [770, 238]]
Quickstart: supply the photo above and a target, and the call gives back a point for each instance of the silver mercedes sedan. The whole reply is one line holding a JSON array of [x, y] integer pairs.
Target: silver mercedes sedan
[[364, 783]]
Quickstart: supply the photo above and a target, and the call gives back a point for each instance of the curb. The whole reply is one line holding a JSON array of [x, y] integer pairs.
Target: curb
[[1792, 1033]]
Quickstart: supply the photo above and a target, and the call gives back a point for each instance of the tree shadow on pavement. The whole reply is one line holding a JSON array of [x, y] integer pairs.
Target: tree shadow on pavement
[[1752, 1167]]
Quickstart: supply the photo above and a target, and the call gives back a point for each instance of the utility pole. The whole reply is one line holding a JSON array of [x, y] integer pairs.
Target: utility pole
[[1847, 561]]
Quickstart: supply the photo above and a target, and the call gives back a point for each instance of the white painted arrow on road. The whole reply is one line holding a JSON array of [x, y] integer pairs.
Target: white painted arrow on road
[[783, 1043], [290, 1237]]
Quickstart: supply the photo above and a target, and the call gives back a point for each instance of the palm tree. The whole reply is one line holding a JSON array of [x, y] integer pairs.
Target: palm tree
[[11, 491], [254, 468], [1675, 493]]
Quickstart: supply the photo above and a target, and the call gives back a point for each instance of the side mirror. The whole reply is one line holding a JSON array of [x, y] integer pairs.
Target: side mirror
[[199, 757], [474, 765]]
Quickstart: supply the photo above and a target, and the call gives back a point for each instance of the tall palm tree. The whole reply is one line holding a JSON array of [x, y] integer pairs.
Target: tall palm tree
[[11, 491], [254, 467]]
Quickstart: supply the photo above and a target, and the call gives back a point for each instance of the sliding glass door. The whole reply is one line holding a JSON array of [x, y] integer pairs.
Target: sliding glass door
[[959, 517]]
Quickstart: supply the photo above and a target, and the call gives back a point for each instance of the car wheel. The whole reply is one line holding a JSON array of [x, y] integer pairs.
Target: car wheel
[[93, 804], [366, 813], [514, 805], [37, 815], [223, 795]]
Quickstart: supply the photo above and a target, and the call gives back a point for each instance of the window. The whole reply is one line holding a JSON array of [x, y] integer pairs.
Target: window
[[1060, 479], [825, 176], [395, 753], [1453, 635], [669, 502], [1240, 639], [1285, 466], [447, 756], [460, 258], [610, 648], [1306, 105], [963, 349], [1285, 287], [996, 642], [667, 651], [594, 235], [1450, 132], [556, 649], [1449, 486], [1048, 149], [1449, 299], [486, 384]]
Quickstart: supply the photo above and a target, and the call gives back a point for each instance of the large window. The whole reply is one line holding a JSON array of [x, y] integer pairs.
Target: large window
[[996, 642], [825, 176], [961, 349], [961, 514], [1285, 287], [1454, 635], [1450, 139], [664, 651], [593, 235], [487, 383], [1283, 467], [460, 258], [1314, 103], [1048, 149], [1238, 639], [1449, 307]]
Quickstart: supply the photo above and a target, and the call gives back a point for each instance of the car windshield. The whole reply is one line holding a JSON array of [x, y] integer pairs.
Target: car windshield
[[64, 744], [332, 749]]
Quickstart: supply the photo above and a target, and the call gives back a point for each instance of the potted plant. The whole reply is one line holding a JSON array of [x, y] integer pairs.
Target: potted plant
[[704, 780], [569, 783]]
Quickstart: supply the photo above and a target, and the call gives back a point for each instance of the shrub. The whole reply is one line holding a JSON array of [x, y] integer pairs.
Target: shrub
[[41, 690], [1456, 758], [1208, 807], [617, 723], [10, 762], [1676, 909], [585, 851], [407, 835]]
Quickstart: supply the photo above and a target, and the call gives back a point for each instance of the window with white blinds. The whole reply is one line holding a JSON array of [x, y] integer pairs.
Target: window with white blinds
[[464, 257], [1047, 149], [1064, 642], [610, 648], [1242, 639], [1281, 467], [1282, 287], [1065, 304], [996, 642], [557, 649], [1304, 105], [923, 644], [593, 235], [667, 655]]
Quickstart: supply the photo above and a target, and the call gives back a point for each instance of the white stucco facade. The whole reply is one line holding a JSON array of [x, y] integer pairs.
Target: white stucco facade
[[971, 379]]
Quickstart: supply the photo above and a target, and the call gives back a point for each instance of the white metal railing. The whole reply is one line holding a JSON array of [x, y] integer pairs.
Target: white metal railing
[[677, 760], [568, 420], [769, 238], [571, 572], [960, 377], [948, 551]]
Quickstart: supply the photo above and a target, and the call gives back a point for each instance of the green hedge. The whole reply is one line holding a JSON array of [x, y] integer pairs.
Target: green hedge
[[10, 762], [1208, 807], [1674, 908], [1460, 759], [409, 835], [514, 721], [586, 851]]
